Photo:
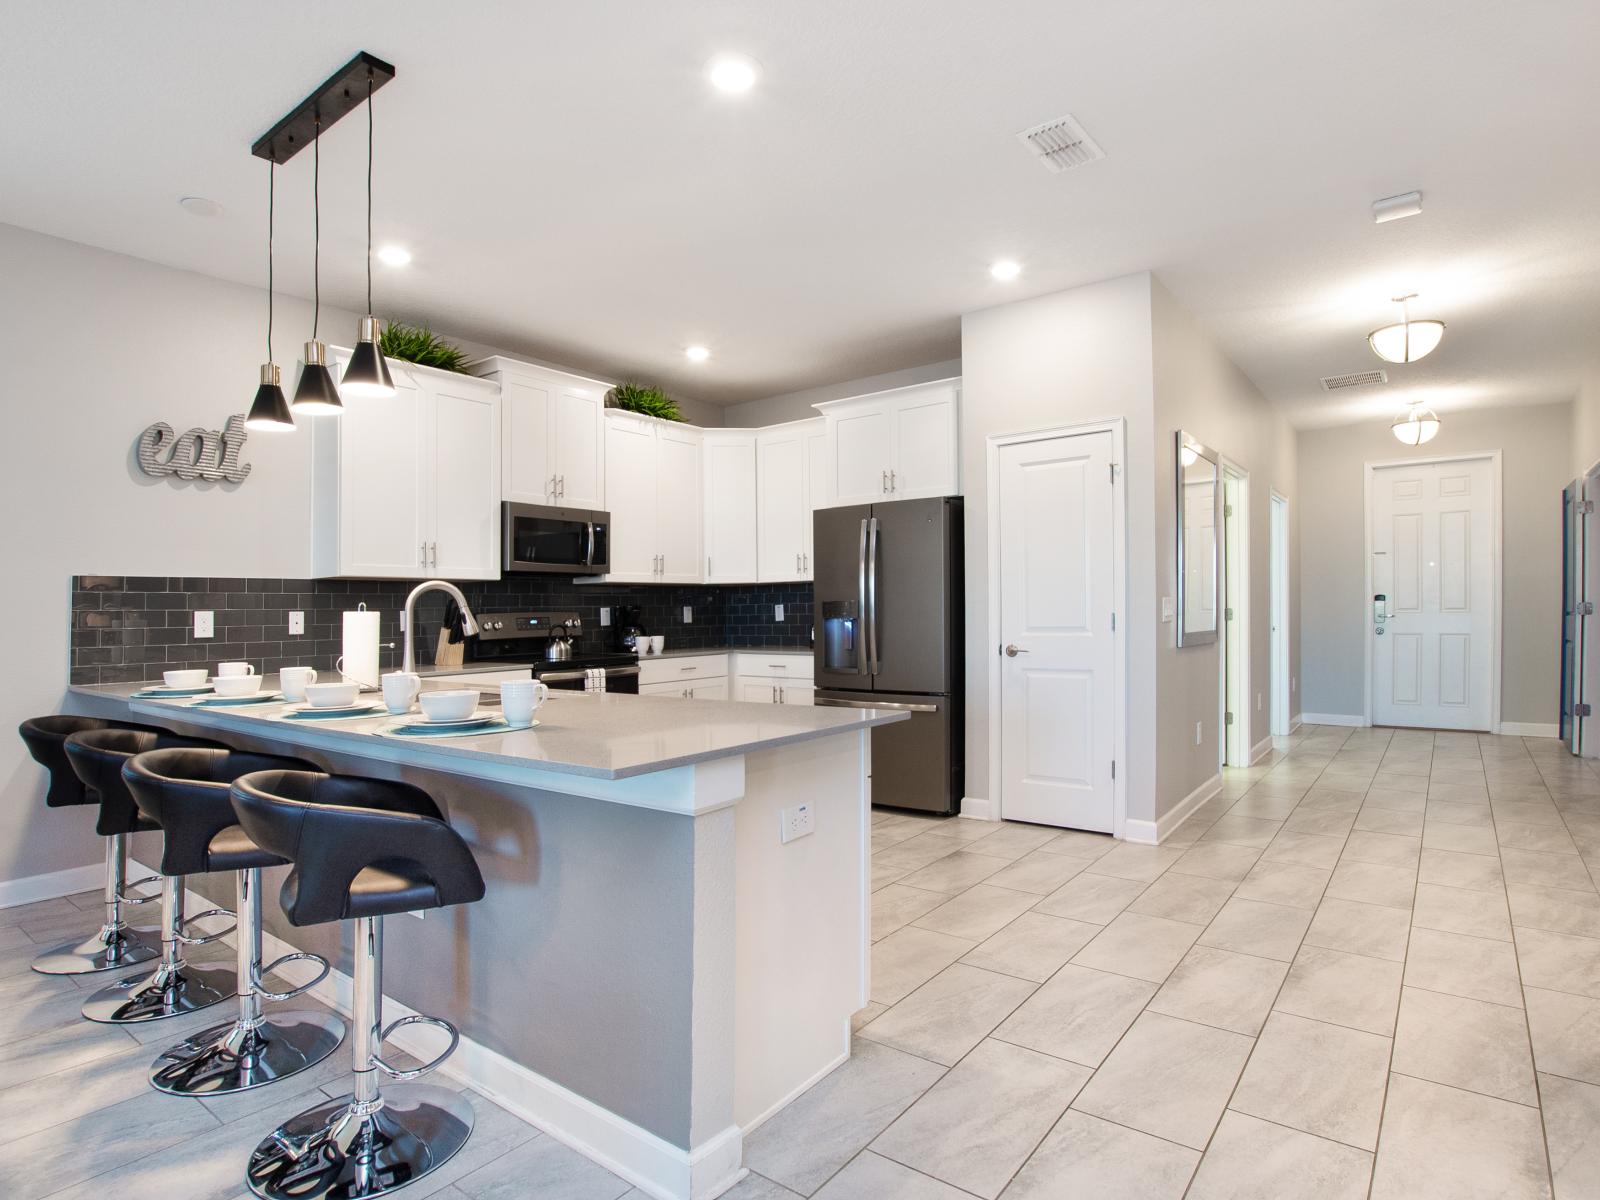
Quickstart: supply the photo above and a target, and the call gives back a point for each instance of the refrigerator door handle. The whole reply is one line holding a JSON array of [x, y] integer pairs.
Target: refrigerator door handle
[[865, 657], [886, 706], [875, 663]]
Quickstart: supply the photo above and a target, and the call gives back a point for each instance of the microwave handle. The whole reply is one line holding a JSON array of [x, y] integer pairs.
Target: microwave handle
[[588, 558]]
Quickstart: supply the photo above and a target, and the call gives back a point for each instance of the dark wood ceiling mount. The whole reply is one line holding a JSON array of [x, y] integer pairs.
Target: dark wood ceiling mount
[[343, 92]]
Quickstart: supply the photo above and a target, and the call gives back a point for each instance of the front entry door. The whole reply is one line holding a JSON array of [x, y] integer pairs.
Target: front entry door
[[1057, 659], [1433, 549]]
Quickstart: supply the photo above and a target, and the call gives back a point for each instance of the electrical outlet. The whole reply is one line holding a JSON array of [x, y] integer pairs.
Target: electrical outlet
[[297, 623], [205, 623], [1199, 732], [688, 615], [796, 822], [605, 616], [777, 612]]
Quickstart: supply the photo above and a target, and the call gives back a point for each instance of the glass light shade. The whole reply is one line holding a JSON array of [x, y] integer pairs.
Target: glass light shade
[[269, 412], [316, 393], [367, 376], [1415, 427], [1187, 457], [1407, 341]]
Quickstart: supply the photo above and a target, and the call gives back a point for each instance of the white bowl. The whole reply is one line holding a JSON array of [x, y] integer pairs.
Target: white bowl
[[455, 705], [185, 679], [236, 685], [332, 695]]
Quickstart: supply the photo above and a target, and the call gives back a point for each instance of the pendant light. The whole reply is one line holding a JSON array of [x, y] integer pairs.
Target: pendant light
[[317, 393], [1408, 340], [368, 373], [1419, 424], [269, 412]]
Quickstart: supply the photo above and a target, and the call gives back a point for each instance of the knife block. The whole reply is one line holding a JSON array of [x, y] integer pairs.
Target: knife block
[[447, 655]]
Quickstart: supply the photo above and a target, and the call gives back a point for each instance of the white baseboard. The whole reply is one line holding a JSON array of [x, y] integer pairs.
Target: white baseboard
[[32, 888], [649, 1163], [1153, 833], [1345, 719], [1260, 750], [1529, 729], [1295, 722], [978, 808]]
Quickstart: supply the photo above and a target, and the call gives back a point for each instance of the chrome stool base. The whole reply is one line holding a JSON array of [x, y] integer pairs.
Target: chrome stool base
[[343, 1150], [127, 947], [161, 995], [235, 1058]]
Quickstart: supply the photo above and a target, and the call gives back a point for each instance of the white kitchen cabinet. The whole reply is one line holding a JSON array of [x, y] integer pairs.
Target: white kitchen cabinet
[[408, 487], [703, 689], [653, 484], [730, 506], [896, 445], [768, 678], [552, 434], [791, 466]]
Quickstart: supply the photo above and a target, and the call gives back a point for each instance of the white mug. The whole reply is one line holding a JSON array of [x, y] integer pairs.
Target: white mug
[[292, 682], [520, 699], [400, 690], [235, 668], [657, 643]]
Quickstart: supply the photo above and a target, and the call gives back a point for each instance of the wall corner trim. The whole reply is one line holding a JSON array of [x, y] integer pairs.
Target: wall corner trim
[[978, 808], [1260, 750], [1529, 729], [1153, 833], [30, 889], [1348, 720]]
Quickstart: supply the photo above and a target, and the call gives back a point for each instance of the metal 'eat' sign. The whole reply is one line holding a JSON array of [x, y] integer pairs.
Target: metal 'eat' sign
[[197, 453]]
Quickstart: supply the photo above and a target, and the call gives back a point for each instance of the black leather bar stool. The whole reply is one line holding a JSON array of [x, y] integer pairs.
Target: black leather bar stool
[[186, 792], [362, 849], [116, 944]]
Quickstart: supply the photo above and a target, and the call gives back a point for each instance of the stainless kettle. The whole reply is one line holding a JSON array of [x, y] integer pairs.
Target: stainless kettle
[[559, 647]]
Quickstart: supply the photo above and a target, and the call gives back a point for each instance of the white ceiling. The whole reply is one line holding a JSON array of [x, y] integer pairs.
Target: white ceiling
[[571, 187]]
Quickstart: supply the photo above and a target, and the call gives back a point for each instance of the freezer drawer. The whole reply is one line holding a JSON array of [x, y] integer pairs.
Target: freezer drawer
[[915, 763]]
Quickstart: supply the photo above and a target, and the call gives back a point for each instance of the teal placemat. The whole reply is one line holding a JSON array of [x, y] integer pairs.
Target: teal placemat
[[416, 733]]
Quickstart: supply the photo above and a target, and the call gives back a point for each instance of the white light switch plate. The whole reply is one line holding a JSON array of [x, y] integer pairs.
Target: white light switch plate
[[777, 612], [297, 623], [205, 623], [1166, 608], [688, 615], [796, 822], [605, 616]]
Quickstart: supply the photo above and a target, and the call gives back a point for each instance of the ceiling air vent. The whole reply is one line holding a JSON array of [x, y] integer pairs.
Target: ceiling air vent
[[1332, 383], [1061, 144]]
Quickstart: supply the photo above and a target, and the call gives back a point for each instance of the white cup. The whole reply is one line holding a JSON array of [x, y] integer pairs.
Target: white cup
[[332, 695], [185, 679], [235, 686], [657, 642], [293, 681], [232, 669], [400, 691], [520, 699]]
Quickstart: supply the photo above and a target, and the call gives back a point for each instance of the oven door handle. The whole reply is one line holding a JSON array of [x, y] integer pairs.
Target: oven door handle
[[569, 676]]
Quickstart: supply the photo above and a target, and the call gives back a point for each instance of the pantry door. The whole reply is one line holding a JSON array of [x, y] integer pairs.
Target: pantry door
[[1435, 584]]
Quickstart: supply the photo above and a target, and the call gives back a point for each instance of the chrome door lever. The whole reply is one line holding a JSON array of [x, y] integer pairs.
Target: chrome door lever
[[1012, 650]]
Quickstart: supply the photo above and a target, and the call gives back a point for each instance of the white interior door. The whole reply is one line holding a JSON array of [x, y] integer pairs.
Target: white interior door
[[1235, 621], [1433, 550], [1058, 688]]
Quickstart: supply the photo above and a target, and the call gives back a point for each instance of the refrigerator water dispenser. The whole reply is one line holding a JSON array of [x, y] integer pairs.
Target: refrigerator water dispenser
[[839, 641]]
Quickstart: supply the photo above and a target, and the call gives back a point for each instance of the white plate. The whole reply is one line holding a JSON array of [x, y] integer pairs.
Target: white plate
[[332, 712]]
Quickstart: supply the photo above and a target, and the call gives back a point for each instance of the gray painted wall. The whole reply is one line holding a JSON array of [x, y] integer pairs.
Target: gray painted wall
[[1536, 463], [796, 406]]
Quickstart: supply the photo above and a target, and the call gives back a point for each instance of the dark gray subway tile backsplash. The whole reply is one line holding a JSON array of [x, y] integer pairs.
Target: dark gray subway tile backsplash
[[129, 628]]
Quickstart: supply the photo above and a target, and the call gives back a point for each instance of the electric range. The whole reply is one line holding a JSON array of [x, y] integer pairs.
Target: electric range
[[523, 637]]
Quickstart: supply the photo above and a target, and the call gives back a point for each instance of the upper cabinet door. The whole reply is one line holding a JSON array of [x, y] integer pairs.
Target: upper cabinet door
[[578, 432], [678, 503], [819, 486], [631, 489], [526, 468], [863, 452], [384, 518], [465, 472], [730, 507], [925, 441], [785, 516]]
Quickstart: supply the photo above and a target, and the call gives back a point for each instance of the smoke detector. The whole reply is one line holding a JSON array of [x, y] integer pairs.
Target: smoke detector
[[1061, 144], [1332, 383]]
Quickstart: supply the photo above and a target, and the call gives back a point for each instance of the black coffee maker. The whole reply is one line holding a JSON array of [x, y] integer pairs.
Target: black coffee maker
[[629, 628]]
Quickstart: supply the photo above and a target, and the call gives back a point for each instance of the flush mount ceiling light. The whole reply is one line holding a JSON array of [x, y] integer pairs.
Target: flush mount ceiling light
[[733, 74], [316, 393], [1395, 208], [696, 353], [1005, 270], [199, 206], [1408, 340], [269, 411], [392, 256], [1417, 425]]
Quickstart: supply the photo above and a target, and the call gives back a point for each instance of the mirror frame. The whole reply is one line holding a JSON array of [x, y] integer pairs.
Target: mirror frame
[[1183, 441]]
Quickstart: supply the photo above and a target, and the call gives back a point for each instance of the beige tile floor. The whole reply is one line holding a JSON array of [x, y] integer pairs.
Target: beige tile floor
[[1371, 967]]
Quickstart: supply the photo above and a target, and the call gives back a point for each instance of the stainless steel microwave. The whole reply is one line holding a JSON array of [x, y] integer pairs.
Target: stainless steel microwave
[[557, 541]]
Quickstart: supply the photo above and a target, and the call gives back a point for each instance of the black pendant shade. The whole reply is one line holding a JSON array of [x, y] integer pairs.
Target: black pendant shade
[[368, 372], [316, 393], [269, 412]]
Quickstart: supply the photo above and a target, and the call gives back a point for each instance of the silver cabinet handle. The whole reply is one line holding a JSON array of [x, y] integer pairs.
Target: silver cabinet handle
[[1012, 650], [781, 699], [774, 694], [435, 554], [824, 702], [422, 554], [884, 485], [797, 562], [552, 487], [708, 564], [563, 488], [685, 668], [805, 562], [892, 484]]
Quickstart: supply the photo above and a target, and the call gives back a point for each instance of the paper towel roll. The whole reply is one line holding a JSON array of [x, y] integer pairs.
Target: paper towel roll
[[360, 661]]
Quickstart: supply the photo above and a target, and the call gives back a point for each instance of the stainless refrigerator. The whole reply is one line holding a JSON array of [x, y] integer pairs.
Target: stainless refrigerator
[[889, 614]]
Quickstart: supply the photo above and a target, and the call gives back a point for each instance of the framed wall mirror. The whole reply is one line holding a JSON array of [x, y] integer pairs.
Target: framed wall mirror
[[1199, 502]]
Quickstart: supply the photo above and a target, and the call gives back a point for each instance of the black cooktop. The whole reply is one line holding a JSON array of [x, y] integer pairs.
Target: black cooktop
[[523, 637]]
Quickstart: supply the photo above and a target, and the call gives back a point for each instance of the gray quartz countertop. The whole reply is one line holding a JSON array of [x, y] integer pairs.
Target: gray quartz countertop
[[673, 652], [599, 735]]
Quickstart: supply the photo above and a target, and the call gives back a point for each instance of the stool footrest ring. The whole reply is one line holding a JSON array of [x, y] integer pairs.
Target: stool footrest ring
[[417, 1073], [206, 939], [258, 973], [127, 895]]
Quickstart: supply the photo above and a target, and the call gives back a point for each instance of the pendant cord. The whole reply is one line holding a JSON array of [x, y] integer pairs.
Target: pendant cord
[[369, 191], [272, 176], [316, 229]]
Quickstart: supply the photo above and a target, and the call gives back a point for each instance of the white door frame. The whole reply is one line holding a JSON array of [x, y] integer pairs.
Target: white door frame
[[1117, 428], [1241, 477], [1369, 471], [1281, 721]]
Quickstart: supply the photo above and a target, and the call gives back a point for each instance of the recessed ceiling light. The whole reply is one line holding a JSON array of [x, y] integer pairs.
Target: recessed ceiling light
[[199, 206], [733, 73], [394, 256], [696, 353], [1006, 269]]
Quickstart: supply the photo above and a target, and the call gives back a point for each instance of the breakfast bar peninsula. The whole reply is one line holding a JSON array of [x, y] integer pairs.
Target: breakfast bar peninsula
[[663, 957]]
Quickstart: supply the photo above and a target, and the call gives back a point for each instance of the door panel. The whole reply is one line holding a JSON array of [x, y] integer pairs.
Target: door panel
[[525, 456], [678, 511], [466, 470], [579, 431], [925, 451], [837, 533], [1058, 693], [863, 450], [785, 519], [912, 611], [383, 507], [631, 489], [731, 508]]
